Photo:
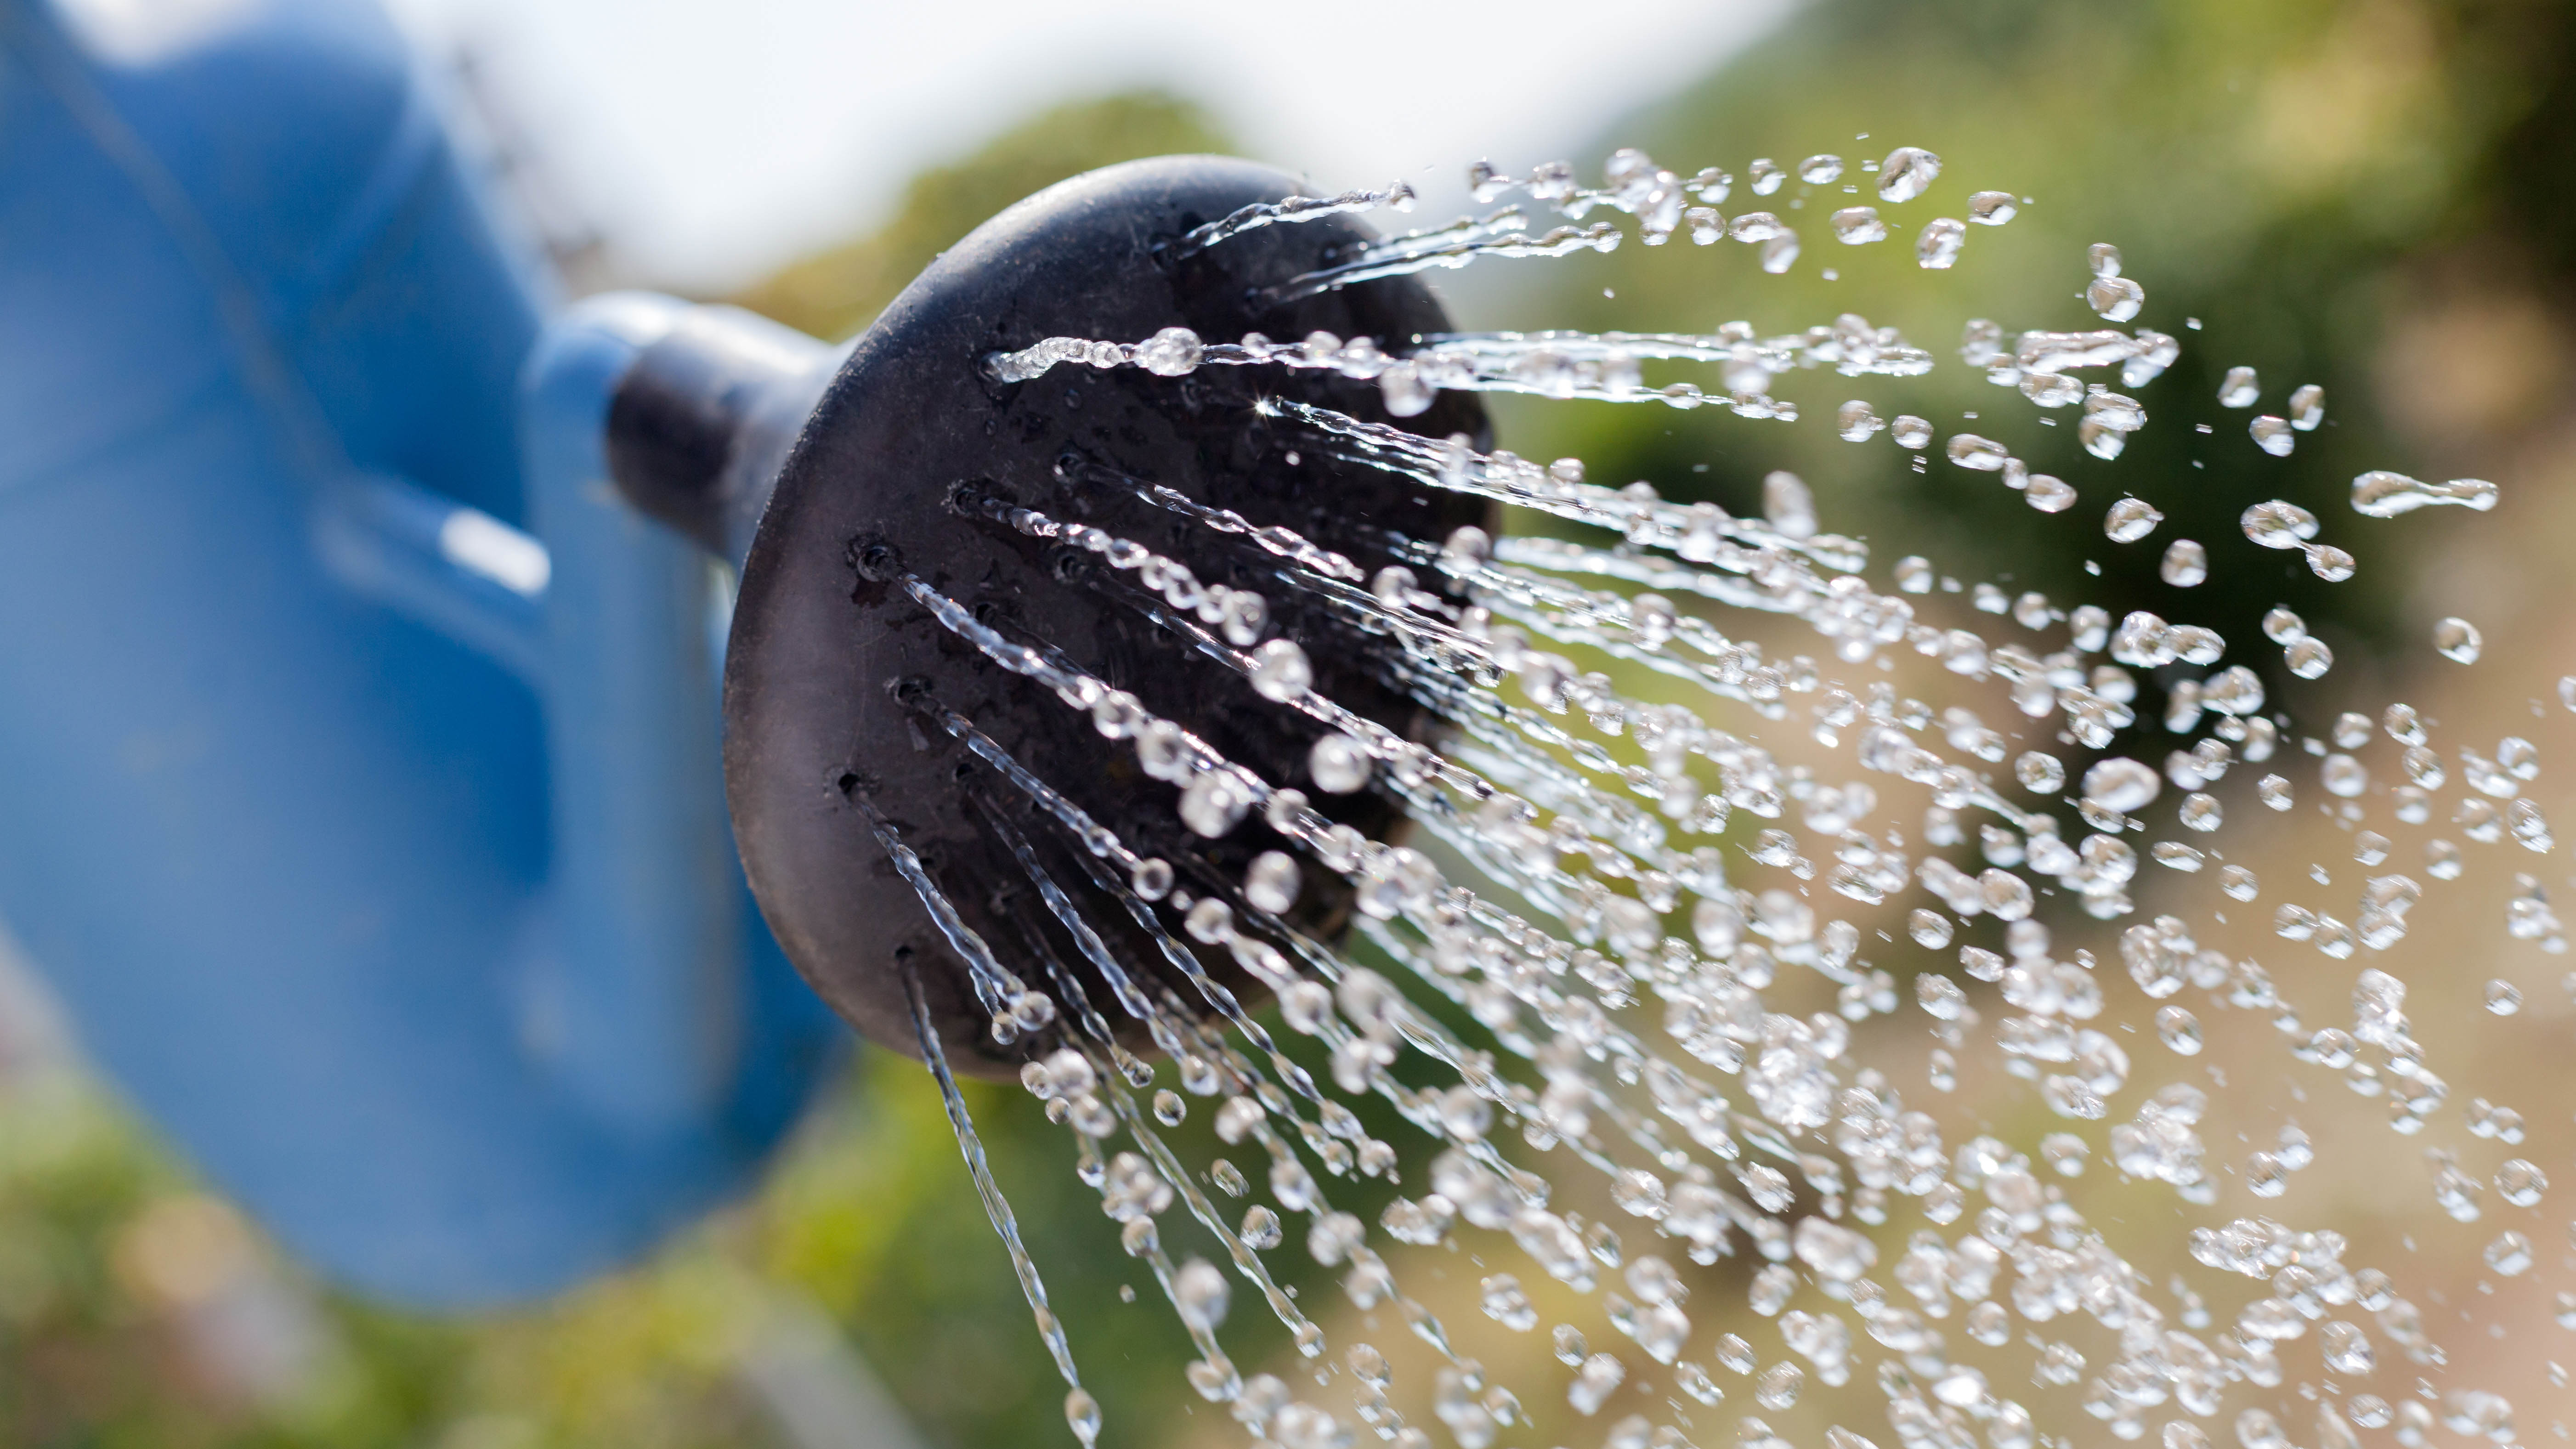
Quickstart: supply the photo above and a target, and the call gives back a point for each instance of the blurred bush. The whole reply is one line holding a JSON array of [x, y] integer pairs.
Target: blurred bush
[[835, 292]]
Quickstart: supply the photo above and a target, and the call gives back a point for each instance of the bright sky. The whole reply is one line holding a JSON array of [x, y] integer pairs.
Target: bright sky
[[713, 139]]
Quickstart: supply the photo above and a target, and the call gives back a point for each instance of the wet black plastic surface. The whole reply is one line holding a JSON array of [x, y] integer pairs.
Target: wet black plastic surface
[[831, 665]]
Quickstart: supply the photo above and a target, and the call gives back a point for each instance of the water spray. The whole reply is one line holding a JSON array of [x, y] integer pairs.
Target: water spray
[[1140, 630], [1819, 997]]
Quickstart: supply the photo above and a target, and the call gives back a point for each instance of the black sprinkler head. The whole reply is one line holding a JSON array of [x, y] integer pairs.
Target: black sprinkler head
[[844, 691]]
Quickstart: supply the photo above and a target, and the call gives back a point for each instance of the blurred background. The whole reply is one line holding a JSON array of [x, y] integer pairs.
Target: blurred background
[[2372, 195]]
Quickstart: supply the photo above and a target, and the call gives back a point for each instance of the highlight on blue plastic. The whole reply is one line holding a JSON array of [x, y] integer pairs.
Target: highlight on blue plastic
[[359, 782]]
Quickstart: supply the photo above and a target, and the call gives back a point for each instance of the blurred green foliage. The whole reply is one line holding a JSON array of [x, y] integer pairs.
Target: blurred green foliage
[[2297, 176], [836, 291], [2310, 177]]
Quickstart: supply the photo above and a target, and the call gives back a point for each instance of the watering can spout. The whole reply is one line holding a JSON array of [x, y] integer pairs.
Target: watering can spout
[[704, 418]]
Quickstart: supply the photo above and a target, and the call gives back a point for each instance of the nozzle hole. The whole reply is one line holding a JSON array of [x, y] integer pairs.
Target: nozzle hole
[[874, 559]]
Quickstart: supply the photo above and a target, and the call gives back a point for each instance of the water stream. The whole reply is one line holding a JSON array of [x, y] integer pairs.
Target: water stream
[[1682, 1016]]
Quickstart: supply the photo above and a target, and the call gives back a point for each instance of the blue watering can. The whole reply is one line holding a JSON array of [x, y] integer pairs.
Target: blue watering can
[[359, 767], [361, 750]]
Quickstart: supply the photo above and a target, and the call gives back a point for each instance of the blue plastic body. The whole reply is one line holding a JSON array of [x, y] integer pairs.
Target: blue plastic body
[[378, 851]]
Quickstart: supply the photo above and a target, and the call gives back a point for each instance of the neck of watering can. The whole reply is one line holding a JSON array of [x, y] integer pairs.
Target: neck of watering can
[[706, 415]]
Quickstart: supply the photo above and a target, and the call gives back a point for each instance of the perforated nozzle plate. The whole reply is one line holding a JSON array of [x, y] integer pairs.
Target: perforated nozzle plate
[[832, 665]]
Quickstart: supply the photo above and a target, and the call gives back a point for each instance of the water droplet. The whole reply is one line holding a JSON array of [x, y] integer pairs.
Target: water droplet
[[2100, 439], [1172, 352], [1280, 671], [2065, 1152], [1082, 1414], [2273, 435], [1788, 504], [2441, 860], [1755, 226], [2052, 389], [2049, 494], [1693, 1380], [1244, 616], [1835, 1253], [1978, 455], [1200, 1294], [1152, 878], [1405, 391], [1214, 802], [2382, 494], [2131, 519], [2120, 784], [1906, 173], [2347, 1348], [2503, 998], [1593, 1383], [2115, 299], [1930, 929], [2041, 774], [2458, 640], [1271, 882], [1821, 170], [2240, 389], [1960, 1386], [2309, 658], [1777, 1386], [2279, 524], [2509, 1254], [2174, 855], [1993, 208], [1858, 226], [1506, 1303], [2521, 1182], [2186, 564], [1938, 247], [2308, 408], [1339, 764], [2179, 1030]]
